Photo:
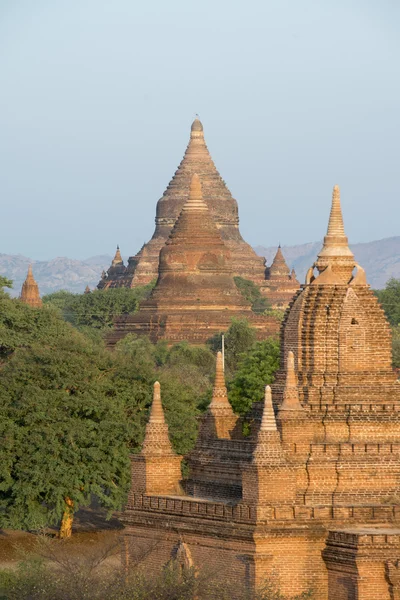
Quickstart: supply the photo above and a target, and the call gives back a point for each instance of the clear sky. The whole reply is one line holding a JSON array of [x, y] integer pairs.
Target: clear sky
[[97, 98]]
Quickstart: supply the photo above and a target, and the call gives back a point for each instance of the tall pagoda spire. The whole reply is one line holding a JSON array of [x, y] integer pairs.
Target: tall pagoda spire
[[335, 258], [156, 439], [219, 421], [30, 290]]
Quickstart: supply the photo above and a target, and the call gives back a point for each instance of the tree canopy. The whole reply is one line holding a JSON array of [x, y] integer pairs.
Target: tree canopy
[[98, 308], [389, 297]]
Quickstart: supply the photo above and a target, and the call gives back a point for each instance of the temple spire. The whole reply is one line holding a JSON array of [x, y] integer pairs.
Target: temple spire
[[268, 448], [220, 394], [156, 439], [117, 260], [30, 290], [291, 400], [268, 422], [335, 257], [87, 290], [278, 268]]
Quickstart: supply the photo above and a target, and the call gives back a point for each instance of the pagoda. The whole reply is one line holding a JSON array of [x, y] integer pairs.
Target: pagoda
[[280, 283], [30, 291], [143, 267], [195, 295], [311, 498]]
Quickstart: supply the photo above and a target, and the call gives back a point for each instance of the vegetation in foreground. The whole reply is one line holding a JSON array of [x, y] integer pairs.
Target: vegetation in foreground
[[54, 572], [71, 411]]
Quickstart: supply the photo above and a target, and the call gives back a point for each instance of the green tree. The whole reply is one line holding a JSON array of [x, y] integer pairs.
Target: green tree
[[62, 437], [390, 300], [252, 293], [396, 347], [256, 369], [238, 339], [99, 308], [5, 283]]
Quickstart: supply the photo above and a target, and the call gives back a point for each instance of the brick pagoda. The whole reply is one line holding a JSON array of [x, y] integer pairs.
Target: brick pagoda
[[143, 267], [280, 283], [312, 496], [195, 295], [30, 290]]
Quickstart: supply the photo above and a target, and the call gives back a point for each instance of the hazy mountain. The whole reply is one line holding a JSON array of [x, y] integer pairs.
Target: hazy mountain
[[57, 274], [380, 259]]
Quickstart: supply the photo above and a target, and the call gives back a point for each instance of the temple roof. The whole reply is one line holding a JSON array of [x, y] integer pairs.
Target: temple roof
[[279, 268]]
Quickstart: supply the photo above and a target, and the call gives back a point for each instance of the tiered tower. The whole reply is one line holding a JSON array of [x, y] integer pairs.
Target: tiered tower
[[30, 290], [195, 295], [143, 268], [280, 283], [312, 496]]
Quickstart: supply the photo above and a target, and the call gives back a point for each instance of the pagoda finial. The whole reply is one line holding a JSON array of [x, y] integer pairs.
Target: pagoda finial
[[87, 290], [156, 439], [30, 290], [195, 202], [291, 394], [335, 251], [268, 422], [196, 129], [117, 260], [336, 225]]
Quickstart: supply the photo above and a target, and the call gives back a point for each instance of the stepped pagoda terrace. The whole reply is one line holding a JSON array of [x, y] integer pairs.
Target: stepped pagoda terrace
[[312, 495], [195, 295], [143, 267]]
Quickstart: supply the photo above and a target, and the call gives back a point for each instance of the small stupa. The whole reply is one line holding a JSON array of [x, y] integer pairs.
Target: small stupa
[[280, 283], [30, 290]]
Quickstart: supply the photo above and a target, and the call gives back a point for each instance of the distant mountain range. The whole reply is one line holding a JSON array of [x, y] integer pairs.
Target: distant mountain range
[[380, 259]]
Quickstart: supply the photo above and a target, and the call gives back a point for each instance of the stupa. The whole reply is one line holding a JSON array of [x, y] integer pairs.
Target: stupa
[[280, 283], [143, 268], [311, 498], [30, 290], [195, 295]]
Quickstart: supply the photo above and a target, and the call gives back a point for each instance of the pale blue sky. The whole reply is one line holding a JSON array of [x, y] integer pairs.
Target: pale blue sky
[[97, 98]]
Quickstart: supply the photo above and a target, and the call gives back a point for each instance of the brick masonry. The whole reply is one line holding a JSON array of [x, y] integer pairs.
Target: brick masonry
[[312, 496]]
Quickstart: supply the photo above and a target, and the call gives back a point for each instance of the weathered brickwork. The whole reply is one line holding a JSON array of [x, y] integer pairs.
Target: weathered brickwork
[[143, 267], [195, 295], [30, 291], [312, 495]]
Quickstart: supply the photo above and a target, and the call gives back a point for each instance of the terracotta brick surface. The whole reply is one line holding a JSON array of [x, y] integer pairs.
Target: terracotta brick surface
[[312, 495]]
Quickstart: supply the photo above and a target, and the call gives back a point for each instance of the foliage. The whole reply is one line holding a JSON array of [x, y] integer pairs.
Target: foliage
[[99, 308], [60, 435], [238, 339], [390, 300], [4, 283], [252, 293], [256, 369], [396, 347]]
